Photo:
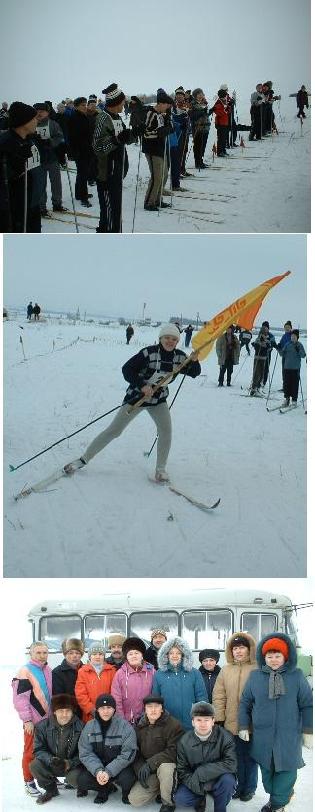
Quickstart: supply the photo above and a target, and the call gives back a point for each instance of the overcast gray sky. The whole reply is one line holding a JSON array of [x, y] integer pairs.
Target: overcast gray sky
[[51, 50], [173, 274]]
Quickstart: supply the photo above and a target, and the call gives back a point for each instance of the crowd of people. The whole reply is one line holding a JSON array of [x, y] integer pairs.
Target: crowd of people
[[144, 719], [36, 141]]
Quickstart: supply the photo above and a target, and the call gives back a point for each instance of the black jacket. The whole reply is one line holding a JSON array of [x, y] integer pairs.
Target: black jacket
[[151, 656], [79, 136], [14, 152], [209, 678], [64, 679], [200, 763], [46, 743]]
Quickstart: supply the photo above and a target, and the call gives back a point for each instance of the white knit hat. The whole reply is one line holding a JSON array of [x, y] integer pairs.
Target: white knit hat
[[223, 87], [169, 330]]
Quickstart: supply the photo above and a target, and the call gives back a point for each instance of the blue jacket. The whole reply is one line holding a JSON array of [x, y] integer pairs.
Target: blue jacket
[[285, 338], [180, 688], [277, 724], [292, 355]]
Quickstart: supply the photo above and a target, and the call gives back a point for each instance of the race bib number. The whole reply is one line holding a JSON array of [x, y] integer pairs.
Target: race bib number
[[43, 132], [34, 160]]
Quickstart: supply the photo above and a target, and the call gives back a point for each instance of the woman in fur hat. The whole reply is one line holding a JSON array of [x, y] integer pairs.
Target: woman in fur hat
[[177, 681], [93, 679], [143, 372], [275, 715], [133, 681]]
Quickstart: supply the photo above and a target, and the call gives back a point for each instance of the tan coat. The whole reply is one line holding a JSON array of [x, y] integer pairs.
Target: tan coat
[[230, 683]]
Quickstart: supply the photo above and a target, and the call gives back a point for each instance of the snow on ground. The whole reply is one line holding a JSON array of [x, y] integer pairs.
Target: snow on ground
[[263, 188], [109, 519]]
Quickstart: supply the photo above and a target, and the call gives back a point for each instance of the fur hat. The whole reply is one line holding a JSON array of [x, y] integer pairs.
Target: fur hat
[[134, 644], [72, 644], [20, 114], [223, 87], [209, 652], [162, 97], [202, 709], [105, 700], [148, 700], [114, 95], [62, 701], [276, 644], [116, 639], [175, 642], [169, 330], [158, 631], [97, 648], [239, 640]]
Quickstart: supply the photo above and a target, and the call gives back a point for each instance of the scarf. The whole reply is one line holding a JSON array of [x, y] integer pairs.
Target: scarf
[[276, 684]]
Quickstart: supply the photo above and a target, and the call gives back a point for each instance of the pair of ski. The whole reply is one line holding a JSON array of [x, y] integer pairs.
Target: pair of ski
[[282, 409], [44, 486]]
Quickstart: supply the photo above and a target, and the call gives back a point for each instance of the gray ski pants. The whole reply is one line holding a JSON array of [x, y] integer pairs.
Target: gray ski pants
[[160, 415], [159, 172], [53, 170]]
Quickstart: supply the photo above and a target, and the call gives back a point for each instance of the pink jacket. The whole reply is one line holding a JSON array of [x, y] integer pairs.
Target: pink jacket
[[28, 697], [129, 687]]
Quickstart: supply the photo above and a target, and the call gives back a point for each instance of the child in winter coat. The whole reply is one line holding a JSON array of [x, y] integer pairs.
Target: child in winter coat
[[292, 353], [275, 710]]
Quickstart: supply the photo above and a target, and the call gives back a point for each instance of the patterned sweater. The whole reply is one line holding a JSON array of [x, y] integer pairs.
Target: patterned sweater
[[149, 366]]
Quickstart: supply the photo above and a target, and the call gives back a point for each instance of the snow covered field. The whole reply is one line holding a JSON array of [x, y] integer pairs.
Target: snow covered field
[[263, 188], [109, 519]]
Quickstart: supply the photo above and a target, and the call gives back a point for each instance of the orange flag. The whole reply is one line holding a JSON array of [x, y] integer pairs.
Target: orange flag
[[242, 312]]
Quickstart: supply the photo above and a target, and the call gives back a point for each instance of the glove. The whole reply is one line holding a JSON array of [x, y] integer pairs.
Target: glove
[[125, 137], [143, 775], [308, 740], [244, 735], [58, 763]]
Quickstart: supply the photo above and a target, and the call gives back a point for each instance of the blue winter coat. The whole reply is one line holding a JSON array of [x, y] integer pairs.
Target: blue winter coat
[[180, 688], [277, 724]]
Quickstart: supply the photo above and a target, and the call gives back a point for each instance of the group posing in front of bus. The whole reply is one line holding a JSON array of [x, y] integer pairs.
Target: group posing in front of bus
[[147, 721]]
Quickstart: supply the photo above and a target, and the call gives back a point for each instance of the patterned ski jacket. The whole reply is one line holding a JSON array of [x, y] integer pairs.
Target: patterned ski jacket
[[150, 365], [32, 688]]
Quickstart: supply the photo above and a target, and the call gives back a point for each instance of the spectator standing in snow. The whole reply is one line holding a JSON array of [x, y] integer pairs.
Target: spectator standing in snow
[[94, 678], [129, 332], [158, 637], [285, 338], [188, 334], [220, 109], [36, 311], [20, 171], [177, 681], [275, 716], [292, 353], [199, 116], [115, 644], [209, 668], [32, 688], [133, 681], [262, 346], [51, 147], [79, 137], [154, 145], [92, 113], [144, 371], [29, 311], [257, 112], [302, 101], [228, 352], [56, 748]]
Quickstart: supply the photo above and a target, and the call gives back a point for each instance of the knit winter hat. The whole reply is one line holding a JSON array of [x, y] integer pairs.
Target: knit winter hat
[[158, 631], [240, 641], [276, 644], [265, 324], [148, 700], [62, 701], [180, 90], [105, 700], [202, 709], [97, 648], [116, 639], [133, 644], [169, 330], [209, 652], [223, 87], [163, 98], [114, 95], [20, 114], [72, 644], [92, 98]]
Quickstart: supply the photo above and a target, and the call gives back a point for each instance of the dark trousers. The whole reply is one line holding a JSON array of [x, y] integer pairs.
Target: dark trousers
[[266, 370], [226, 367], [258, 372], [81, 190], [247, 769], [257, 122], [15, 223], [47, 776], [110, 200], [278, 785], [200, 142], [125, 779], [222, 133], [175, 155], [291, 380], [222, 791]]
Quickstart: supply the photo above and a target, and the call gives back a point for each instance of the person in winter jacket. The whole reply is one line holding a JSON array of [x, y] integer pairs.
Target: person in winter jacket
[[292, 353], [144, 371], [20, 172], [56, 748], [133, 681], [263, 345], [220, 109], [228, 352], [51, 147], [275, 716], [240, 662], [285, 338], [177, 681], [107, 749], [188, 334], [94, 678], [302, 101], [36, 311], [65, 675], [32, 688], [206, 762], [157, 734], [158, 637], [200, 126], [154, 145], [129, 333], [115, 644], [209, 669], [257, 112], [29, 311]]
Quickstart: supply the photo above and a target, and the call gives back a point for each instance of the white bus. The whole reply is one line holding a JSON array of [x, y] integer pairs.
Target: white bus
[[204, 617]]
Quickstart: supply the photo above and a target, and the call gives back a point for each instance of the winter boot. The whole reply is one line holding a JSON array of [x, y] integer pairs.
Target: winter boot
[[71, 467], [201, 805], [294, 404], [86, 203], [247, 796], [161, 476], [150, 207], [31, 788], [101, 797], [285, 403], [167, 807], [51, 792], [60, 208], [82, 793]]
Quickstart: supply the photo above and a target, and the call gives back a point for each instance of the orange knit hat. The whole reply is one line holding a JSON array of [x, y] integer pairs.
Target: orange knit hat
[[276, 644]]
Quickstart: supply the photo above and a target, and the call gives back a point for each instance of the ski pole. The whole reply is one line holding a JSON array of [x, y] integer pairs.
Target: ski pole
[[72, 198], [241, 367], [302, 396], [67, 437], [25, 198], [148, 453], [121, 189], [136, 195], [271, 379]]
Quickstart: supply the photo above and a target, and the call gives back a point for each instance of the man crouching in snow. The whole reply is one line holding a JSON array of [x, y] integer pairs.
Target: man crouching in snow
[[56, 748], [144, 371]]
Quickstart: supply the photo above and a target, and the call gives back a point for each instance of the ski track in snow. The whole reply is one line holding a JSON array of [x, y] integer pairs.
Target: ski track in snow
[[109, 517], [272, 190]]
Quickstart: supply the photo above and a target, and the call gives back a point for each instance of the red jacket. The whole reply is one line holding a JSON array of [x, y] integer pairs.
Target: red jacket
[[90, 685], [221, 114]]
